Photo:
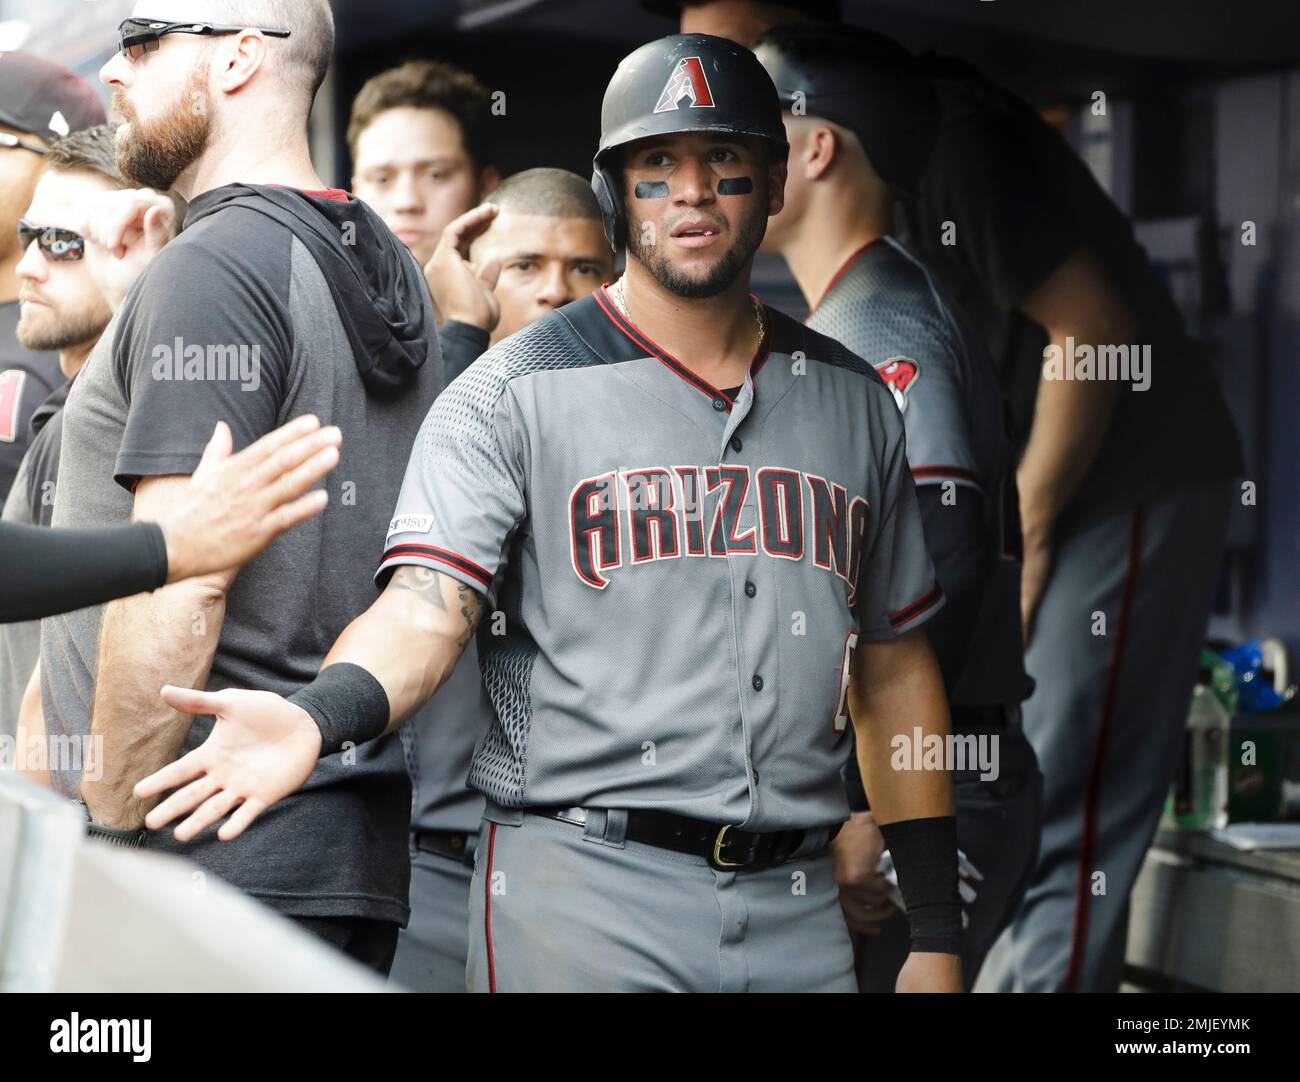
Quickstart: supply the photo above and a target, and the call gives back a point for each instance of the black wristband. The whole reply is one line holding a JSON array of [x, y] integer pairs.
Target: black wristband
[[129, 839], [347, 703], [924, 852]]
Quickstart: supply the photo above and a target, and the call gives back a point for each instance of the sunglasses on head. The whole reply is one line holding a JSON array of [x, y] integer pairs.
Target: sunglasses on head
[[58, 245], [12, 141], [139, 36]]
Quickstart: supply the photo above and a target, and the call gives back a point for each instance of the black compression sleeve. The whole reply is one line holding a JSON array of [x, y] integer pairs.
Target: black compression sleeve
[[924, 852], [48, 571], [462, 344], [956, 537], [347, 703]]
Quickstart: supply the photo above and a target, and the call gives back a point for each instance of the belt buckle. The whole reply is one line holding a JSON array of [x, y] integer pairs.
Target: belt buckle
[[716, 859]]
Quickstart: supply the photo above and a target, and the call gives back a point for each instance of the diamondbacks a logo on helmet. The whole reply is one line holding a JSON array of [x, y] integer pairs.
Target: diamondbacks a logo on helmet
[[899, 373], [687, 81]]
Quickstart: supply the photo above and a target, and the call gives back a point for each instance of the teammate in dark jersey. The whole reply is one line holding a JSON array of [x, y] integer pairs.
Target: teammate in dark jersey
[[869, 293], [1125, 453]]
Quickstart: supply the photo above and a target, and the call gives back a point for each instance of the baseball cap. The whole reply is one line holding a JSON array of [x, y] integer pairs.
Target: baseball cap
[[44, 98]]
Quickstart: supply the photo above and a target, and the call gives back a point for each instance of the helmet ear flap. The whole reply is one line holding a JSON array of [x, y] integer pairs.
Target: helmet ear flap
[[603, 185]]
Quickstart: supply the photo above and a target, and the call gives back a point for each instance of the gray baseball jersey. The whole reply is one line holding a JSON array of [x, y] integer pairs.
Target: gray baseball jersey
[[888, 309], [679, 576]]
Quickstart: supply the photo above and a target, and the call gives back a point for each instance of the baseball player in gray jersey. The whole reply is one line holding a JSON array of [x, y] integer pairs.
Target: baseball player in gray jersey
[[686, 524], [846, 164]]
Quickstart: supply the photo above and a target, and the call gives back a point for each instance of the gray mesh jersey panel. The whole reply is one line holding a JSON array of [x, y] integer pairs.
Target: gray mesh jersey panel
[[887, 308], [677, 576]]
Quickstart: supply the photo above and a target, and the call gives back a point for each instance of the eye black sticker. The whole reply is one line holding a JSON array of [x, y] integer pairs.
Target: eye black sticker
[[735, 186]]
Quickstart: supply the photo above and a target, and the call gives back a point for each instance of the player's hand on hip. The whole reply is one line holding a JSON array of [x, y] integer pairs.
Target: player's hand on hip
[[926, 971], [236, 505], [261, 749], [124, 231], [460, 291], [864, 893]]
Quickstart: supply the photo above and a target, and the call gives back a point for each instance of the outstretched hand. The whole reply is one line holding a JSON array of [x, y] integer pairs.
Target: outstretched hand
[[261, 749]]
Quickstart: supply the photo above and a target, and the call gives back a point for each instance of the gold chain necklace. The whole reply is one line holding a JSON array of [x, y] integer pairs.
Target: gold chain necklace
[[620, 302]]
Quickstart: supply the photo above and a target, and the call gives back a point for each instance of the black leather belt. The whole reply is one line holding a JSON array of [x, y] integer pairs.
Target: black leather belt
[[443, 843], [724, 846]]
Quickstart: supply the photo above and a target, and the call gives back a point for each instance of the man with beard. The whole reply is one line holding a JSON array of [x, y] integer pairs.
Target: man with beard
[[63, 311], [39, 102], [281, 297], [687, 511]]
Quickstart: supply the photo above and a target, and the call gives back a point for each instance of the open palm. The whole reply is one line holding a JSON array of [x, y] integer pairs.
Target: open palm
[[261, 749]]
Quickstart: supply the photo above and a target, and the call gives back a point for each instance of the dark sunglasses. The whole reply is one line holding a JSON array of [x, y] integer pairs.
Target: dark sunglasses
[[139, 36], [12, 141], [58, 245]]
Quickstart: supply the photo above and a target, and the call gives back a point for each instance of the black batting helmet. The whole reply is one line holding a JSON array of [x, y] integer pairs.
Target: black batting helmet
[[685, 82], [862, 81]]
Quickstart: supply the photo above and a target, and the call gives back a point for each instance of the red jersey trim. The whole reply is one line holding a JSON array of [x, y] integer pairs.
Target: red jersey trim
[[339, 195], [955, 472], [487, 910], [840, 274], [916, 608], [443, 556], [640, 338]]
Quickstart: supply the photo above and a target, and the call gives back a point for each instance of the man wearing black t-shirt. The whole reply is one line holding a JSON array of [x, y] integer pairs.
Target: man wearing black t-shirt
[[281, 297]]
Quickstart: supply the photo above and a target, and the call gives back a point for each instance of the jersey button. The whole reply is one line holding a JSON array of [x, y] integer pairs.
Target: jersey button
[[750, 589], [736, 445], [719, 404], [757, 682]]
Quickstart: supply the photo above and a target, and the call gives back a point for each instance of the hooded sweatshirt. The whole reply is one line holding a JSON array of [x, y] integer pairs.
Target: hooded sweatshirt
[[272, 303]]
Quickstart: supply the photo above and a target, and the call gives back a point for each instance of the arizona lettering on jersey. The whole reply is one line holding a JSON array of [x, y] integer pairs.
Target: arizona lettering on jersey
[[633, 516], [680, 576]]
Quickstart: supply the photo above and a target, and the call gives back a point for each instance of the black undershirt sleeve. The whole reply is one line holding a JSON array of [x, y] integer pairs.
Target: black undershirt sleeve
[[462, 344], [956, 537], [49, 571]]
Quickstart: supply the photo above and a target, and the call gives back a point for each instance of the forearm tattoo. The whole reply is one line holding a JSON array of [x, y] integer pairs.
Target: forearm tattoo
[[427, 584]]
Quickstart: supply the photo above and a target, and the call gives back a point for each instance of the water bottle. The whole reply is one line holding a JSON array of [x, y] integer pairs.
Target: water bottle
[[1199, 798]]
